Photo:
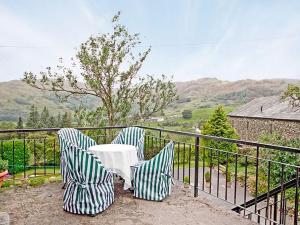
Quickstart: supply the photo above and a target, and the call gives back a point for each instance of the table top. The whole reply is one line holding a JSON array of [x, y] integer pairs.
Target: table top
[[112, 148]]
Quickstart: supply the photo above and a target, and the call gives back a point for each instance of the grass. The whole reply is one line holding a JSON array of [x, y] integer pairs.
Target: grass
[[49, 171]]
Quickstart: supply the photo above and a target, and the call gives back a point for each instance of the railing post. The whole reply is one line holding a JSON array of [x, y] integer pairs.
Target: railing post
[[160, 139], [197, 141], [296, 197], [275, 209]]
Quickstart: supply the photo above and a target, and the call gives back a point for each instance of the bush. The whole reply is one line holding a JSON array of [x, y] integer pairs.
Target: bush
[[40, 151], [186, 180], [280, 156], [16, 156], [3, 165], [207, 176], [36, 181], [187, 114], [7, 183]]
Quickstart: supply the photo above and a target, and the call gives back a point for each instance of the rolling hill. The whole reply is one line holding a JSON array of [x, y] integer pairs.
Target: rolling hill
[[16, 97]]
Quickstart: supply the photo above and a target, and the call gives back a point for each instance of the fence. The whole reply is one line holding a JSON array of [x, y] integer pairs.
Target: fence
[[241, 173]]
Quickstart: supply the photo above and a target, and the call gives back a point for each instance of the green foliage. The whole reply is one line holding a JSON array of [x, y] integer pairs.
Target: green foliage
[[44, 121], [33, 118], [186, 180], [292, 93], [280, 156], [36, 181], [187, 114], [52, 122], [3, 165], [7, 183], [66, 120], [109, 65], [16, 158], [207, 176], [20, 123], [42, 149], [218, 125], [7, 125]]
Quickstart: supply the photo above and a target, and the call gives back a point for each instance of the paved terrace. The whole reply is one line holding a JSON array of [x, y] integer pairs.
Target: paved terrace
[[43, 205]]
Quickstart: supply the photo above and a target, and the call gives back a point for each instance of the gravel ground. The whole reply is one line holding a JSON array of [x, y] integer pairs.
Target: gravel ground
[[43, 205]]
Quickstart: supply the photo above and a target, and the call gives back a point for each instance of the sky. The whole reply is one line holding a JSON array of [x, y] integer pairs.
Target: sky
[[190, 39]]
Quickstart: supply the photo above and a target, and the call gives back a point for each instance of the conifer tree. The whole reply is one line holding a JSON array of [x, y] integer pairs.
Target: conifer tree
[[52, 122], [67, 120], [20, 123], [33, 118], [58, 121], [219, 125], [44, 121]]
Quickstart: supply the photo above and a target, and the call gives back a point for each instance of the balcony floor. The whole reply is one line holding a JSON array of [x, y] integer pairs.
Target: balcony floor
[[43, 205]]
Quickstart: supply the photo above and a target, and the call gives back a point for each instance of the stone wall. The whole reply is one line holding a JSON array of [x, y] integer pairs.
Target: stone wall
[[251, 128]]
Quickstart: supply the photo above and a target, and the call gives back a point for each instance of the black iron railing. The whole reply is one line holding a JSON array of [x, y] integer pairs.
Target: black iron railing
[[239, 172]]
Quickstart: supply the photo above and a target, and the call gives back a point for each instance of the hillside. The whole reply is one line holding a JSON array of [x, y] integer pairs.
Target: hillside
[[17, 97], [208, 92]]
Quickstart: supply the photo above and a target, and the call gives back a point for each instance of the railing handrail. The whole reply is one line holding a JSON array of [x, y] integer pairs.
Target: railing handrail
[[57, 129], [264, 196], [241, 142]]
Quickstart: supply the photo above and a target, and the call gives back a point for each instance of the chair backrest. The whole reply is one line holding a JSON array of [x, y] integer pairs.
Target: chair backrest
[[132, 136], [71, 136], [163, 161], [84, 167]]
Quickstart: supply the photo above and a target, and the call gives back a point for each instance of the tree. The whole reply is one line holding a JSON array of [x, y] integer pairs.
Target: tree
[[154, 95], [83, 117], [109, 65], [44, 121], [33, 118], [20, 123], [219, 125], [292, 94], [66, 120], [52, 122], [59, 121], [187, 114]]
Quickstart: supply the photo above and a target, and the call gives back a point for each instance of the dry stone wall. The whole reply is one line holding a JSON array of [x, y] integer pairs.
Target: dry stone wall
[[251, 128]]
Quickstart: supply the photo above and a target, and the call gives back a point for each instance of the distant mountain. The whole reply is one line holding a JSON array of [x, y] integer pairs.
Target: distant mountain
[[211, 91], [16, 97]]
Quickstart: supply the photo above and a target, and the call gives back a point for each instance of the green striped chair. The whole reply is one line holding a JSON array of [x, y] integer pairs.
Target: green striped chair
[[152, 180], [90, 187], [71, 136], [132, 136]]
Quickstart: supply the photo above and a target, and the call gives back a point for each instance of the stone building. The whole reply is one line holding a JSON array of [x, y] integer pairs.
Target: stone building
[[266, 115]]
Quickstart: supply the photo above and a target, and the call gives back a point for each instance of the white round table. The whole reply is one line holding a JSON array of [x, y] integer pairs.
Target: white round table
[[118, 158]]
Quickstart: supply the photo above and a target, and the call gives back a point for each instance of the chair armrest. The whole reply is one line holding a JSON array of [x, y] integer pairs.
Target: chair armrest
[[140, 163]]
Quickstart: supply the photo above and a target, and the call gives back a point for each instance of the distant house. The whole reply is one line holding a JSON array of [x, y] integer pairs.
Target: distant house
[[266, 115]]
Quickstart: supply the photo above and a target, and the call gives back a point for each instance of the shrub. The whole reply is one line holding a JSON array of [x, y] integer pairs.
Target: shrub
[[187, 114], [3, 165], [280, 156], [36, 181], [16, 155], [7, 183], [207, 176], [186, 180]]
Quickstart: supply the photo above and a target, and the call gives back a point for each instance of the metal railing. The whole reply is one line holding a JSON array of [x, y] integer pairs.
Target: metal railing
[[241, 173]]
